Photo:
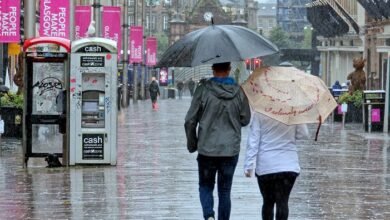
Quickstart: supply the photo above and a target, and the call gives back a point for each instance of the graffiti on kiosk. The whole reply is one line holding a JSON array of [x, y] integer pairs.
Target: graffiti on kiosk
[[108, 103], [48, 84], [45, 94]]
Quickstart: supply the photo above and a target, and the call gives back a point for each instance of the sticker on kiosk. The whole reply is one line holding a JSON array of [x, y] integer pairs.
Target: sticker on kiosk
[[92, 61], [93, 147]]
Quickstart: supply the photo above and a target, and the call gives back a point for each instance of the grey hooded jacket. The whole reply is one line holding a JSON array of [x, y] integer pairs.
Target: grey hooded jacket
[[220, 110]]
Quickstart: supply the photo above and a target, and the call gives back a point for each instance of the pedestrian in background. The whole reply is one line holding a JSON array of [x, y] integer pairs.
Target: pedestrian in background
[[345, 85], [154, 91], [272, 150], [191, 86], [336, 86], [180, 87], [219, 109]]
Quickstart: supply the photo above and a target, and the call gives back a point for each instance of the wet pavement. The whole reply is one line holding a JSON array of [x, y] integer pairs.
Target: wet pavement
[[345, 175]]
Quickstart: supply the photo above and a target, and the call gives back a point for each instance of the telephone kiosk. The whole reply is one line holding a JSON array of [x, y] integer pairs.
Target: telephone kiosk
[[93, 104], [45, 75]]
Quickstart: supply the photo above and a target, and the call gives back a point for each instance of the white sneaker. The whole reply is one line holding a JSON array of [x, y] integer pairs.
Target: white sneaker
[[211, 218]]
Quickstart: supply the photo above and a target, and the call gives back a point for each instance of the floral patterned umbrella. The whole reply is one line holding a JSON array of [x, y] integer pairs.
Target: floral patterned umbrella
[[289, 95]]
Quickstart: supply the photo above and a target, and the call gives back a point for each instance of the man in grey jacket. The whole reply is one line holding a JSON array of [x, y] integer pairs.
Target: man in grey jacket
[[219, 109]]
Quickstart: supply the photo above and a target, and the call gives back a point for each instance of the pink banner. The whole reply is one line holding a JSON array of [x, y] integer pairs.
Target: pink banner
[[151, 51], [136, 37], [82, 20], [375, 115], [9, 21], [111, 25], [54, 19]]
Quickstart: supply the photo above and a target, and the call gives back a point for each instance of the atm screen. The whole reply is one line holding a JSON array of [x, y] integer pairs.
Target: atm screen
[[90, 106]]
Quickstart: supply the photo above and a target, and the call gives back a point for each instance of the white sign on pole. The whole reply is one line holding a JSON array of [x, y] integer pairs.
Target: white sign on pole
[[344, 107], [1, 127]]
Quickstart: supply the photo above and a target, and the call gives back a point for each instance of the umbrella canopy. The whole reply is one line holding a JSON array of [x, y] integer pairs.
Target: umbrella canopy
[[289, 95], [216, 44]]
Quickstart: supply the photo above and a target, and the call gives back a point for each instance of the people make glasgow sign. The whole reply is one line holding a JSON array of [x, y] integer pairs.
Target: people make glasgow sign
[[111, 26], [54, 18], [151, 51], [136, 41], [82, 18], [9, 21]]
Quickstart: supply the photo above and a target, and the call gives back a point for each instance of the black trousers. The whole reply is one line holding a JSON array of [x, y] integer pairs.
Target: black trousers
[[275, 189]]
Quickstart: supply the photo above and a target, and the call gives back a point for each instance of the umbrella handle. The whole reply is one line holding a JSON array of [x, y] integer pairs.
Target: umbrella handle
[[318, 128]]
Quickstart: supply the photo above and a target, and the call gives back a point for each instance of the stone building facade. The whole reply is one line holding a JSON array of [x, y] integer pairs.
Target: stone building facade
[[291, 17], [266, 18], [223, 12]]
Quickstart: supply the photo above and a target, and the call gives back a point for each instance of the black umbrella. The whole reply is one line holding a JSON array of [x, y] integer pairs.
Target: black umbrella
[[216, 44]]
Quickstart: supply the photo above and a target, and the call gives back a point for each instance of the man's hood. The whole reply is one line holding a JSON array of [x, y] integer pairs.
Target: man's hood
[[224, 88]]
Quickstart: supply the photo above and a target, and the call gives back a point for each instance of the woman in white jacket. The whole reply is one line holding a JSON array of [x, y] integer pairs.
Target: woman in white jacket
[[272, 150]]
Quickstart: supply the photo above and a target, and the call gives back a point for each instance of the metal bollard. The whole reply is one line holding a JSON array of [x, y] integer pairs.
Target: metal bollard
[[344, 109], [1, 129], [369, 122]]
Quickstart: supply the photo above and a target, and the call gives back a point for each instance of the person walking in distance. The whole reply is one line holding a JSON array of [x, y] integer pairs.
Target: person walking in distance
[[272, 150], [191, 86], [180, 87], [154, 91], [218, 111]]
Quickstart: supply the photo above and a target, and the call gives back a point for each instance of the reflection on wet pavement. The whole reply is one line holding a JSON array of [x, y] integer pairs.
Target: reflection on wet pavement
[[344, 176]]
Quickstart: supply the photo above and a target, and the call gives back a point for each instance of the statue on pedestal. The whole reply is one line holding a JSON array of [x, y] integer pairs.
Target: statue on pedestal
[[357, 77]]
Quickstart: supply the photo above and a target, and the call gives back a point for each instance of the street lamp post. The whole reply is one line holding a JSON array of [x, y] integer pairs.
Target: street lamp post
[[29, 19], [147, 69], [125, 55], [135, 72], [71, 20], [142, 84], [29, 32], [97, 17], [386, 114]]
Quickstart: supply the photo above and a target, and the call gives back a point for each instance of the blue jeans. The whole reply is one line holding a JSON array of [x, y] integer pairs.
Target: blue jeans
[[208, 168]]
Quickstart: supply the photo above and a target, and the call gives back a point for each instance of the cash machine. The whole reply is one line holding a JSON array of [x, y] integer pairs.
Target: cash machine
[[45, 75], [93, 104]]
